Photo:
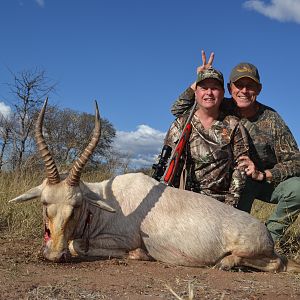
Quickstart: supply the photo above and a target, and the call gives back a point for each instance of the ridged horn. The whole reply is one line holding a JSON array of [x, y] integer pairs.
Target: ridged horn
[[75, 173], [51, 170]]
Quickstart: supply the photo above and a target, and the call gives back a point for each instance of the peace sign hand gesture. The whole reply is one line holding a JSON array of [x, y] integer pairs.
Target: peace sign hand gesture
[[204, 65]]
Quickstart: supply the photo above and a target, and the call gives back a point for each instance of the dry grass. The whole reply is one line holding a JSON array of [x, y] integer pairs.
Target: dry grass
[[62, 291], [22, 220], [190, 291], [291, 244]]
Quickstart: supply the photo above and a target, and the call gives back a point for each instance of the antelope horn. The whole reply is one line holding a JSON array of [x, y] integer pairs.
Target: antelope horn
[[51, 170], [75, 173]]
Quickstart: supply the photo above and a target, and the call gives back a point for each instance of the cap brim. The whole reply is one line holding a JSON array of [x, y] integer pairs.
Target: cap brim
[[243, 76], [218, 79]]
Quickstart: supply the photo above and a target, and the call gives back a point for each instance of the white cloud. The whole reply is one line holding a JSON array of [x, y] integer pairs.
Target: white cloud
[[142, 145], [5, 110], [40, 3], [281, 10]]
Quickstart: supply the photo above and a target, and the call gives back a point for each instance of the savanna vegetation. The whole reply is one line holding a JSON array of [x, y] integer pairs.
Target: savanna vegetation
[[66, 132]]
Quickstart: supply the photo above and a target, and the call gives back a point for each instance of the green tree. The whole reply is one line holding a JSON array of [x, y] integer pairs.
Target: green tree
[[68, 132]]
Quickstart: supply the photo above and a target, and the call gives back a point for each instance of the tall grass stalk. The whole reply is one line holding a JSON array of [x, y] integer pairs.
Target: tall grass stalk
[[19, 219]]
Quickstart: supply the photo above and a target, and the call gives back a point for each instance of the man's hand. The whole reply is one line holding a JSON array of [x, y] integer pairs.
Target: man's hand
[[247, 165], [204, 65]]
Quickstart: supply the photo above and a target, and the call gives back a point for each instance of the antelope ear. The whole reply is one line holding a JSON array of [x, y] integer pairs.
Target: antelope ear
[[29, 195], [101, 204], [93, 199]]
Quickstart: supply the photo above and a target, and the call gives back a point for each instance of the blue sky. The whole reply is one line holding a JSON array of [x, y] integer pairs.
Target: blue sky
[[136, 56]]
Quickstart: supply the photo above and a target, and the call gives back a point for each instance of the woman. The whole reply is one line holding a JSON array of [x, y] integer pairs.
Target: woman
[[215, 144]]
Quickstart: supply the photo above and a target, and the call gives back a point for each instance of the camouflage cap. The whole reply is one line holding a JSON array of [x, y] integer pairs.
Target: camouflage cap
[[210, 73], [244, 70]]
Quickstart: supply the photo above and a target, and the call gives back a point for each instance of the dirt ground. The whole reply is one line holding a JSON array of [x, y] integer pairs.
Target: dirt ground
[[24, 274]]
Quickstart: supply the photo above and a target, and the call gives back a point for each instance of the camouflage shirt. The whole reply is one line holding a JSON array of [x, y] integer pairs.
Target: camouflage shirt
[[272, 145], [211, 155]]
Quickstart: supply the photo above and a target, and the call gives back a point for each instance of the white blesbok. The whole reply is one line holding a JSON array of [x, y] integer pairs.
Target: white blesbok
[[133, 214]]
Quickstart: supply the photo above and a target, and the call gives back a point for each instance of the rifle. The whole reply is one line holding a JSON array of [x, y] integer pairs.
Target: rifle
[[160, 167], [170, 170]]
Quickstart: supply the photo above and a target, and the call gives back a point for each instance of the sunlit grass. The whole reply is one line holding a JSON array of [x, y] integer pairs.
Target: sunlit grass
[[20, 219], [291, 243]]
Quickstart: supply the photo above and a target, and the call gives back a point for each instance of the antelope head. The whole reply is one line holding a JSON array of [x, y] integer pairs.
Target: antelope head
[[62, 199]]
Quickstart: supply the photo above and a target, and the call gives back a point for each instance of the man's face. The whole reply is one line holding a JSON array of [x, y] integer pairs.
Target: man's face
[[209, 93], [244, 92]]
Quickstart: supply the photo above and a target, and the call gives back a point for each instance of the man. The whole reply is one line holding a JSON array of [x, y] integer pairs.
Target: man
[[274, 168], [216, 142]]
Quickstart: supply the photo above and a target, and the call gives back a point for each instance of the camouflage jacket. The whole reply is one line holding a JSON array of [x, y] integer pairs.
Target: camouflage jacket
[[272, 145], [211, 156]]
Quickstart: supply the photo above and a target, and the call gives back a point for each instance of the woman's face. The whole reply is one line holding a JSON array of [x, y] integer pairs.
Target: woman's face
[[209, 93]]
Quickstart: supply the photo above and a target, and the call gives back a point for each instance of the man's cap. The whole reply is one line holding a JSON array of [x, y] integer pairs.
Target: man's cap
[[210, 73], [244, 70]]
